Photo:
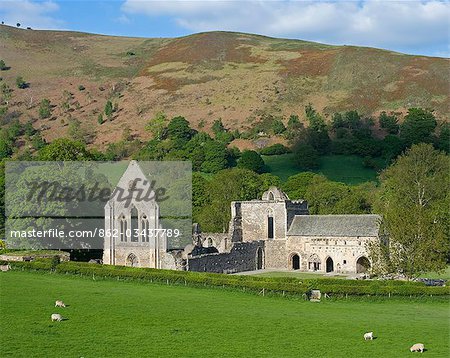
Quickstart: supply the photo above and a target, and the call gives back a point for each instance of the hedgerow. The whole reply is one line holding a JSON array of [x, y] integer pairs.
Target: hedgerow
[[288, 285]]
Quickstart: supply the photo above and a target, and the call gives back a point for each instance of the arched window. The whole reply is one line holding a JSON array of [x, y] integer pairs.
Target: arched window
[[144, 228], [134, 225], [123, 228], [210, 242], [132, 260], [270, 231], [271, 196], [270, 224]]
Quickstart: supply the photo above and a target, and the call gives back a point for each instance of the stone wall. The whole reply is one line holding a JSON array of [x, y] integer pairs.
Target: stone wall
[[255, 219], [243, 256], [63, 256], [343, 251], [145, 256], [276, 255], [221, 241]]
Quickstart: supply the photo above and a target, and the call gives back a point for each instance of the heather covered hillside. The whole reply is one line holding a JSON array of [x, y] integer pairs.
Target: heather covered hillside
[[236, 77]]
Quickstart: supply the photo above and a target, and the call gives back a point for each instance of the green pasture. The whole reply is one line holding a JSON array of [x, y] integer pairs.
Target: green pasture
[[109, 318]]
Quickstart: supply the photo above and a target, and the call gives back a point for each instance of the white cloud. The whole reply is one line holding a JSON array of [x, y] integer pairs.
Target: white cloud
[[388, 24], [36, 14]]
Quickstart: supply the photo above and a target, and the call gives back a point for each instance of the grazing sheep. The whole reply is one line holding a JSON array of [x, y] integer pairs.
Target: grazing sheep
[[56, 317], [418, 347], [5, 268], [368, 336], [59, 304]]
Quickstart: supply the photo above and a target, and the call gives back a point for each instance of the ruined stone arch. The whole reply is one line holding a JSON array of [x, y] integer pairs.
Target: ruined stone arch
[[260, 258], [362, 264], [209, 242], [314, 263], [132, 260]]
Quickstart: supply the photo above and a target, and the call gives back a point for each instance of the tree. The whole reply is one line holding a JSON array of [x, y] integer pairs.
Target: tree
[[218, 127], [45, 109], [278, 127], [297, 185], [317, 133], [109, 109], [226, 186], [215, 157], [63, 149], [415, 204], [157, 125], [251, 160], [392, 146], [442, 141], [179, 131], [6, 144], [306, 157], [388, 122], [76, 132], [324, 195], [20, 82], [6, 93], [200, 195], [418, 126], [3, 65]]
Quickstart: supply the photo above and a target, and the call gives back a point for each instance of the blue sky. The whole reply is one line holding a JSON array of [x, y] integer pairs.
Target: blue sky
[[416, 27]]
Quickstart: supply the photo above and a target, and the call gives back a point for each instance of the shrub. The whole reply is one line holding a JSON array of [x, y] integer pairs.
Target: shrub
[[306, 157], [45, 110], [275, 149], [20, 82], [251, 160], [3, 65], [108, 109], [81, 88]]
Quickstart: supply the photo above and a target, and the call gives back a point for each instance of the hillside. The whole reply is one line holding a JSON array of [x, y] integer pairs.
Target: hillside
[[233, 76]]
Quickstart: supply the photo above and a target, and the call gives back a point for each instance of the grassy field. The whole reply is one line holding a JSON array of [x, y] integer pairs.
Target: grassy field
[[125, 319], [443, 275], [343, 168]]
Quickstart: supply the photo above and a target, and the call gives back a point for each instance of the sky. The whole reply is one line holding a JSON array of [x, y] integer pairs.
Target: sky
[[408, 26]]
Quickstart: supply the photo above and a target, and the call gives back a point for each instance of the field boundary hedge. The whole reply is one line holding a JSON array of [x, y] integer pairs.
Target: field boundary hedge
[[279, 285]]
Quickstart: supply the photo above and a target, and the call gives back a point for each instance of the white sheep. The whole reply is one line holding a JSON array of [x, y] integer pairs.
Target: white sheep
[[5, 268], [56, 317], [59, 303], [418, 347], [368, 336]]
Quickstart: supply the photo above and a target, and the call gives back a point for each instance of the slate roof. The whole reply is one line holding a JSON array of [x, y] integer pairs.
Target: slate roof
[[335, 225]]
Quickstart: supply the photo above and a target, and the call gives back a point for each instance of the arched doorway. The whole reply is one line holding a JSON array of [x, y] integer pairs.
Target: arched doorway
[[362, 265], [132, 260], [330, 265], [314, 263], [295, 262], [259, 259]]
